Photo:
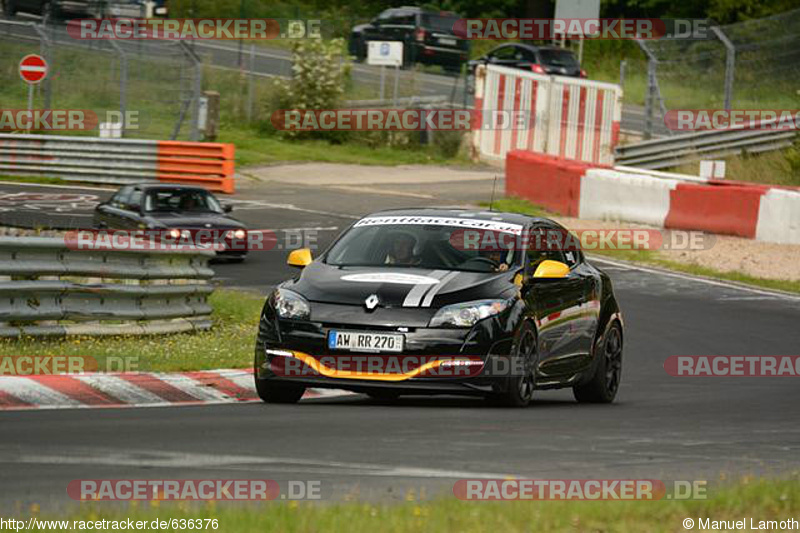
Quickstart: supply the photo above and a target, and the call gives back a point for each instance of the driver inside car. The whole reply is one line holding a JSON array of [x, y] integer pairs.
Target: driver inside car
[[401, 251]]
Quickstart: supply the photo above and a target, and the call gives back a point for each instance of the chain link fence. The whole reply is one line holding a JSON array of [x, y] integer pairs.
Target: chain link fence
[[747, 65], [155, 85]]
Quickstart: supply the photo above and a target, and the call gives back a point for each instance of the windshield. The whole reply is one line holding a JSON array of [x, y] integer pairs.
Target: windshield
[[181, 200], [439, 22], [442, 244], [559, 58]]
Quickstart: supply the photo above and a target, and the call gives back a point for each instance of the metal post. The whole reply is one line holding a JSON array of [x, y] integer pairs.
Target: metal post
[[396, 81], [730, 64], [622, 65], [197, 88], [45, 51], [650, 96], [123, 83], [650, 99], [383, 79], [30, 102], [250, 77]]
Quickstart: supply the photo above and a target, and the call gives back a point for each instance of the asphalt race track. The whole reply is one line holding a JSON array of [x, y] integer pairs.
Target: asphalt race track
[[661, 427]]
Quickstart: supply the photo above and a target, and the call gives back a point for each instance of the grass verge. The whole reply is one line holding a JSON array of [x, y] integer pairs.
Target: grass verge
[[229, 344], [757, 499], [653, 258], [253, 149]]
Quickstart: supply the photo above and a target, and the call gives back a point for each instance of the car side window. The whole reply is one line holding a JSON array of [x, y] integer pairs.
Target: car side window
[[135, 200], [120, 199], [507, 52], [543, 245], [404, 18]]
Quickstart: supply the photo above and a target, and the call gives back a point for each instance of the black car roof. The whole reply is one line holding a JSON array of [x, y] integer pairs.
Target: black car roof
[[151, 186], [481, 214], [531, 47]]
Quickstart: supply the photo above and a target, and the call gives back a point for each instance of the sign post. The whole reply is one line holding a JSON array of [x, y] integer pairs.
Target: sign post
[[32, 70], [386, 54]]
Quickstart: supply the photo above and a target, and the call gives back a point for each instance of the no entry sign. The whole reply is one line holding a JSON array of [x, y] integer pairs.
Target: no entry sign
[[32, 68]]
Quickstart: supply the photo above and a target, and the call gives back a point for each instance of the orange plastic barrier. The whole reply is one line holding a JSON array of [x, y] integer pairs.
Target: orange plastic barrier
[[551, 182], [208, 165], [726, 209]]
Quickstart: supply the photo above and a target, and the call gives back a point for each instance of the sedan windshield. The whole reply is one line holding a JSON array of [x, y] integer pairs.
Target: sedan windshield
[[484, 246], [181, 200]]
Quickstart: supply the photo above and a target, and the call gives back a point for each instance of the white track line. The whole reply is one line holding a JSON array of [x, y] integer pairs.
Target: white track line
[[700, 279]]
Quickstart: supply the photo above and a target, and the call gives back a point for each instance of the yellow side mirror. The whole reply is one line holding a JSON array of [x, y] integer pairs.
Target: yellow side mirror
[[299, 258], [551, 269]]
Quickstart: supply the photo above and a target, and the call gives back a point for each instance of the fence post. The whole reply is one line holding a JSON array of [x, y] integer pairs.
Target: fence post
[[250, 77], [730, 64], [45, 51], [197, 89], [123, 83], [650, 96]]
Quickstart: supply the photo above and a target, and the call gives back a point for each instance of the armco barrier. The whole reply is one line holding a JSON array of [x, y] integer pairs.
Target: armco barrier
[[118, 161], [564, 117], [49, 289], [664, 200]]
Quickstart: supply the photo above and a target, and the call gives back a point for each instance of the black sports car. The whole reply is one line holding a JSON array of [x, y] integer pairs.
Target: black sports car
[[180, 212], [443, 301]]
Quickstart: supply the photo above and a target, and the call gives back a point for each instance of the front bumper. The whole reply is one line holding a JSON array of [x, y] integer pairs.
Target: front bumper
[[434, 360]]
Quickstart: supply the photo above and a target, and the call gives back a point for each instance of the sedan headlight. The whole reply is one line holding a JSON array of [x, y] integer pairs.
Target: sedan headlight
[[237, 234], [468, 314], [288, 304]]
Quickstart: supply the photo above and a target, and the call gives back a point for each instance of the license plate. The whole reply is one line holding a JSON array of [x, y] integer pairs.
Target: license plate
[[364, 341], [447, 42]]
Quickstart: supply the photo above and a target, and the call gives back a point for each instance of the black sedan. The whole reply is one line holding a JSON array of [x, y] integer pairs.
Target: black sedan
[[179, 212], [443, 301], [549, 60]]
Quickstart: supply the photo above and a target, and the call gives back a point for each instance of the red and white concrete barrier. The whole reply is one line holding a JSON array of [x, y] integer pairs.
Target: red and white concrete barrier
[[664, 200]]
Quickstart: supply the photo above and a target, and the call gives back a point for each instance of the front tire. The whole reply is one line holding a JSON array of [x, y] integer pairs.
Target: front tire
[[276, 392], [519, 389], [603, 386]]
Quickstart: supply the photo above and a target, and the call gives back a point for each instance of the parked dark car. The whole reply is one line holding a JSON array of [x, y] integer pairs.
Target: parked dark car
[[400, 300], [427, 37], [549, 60], [179, 210]]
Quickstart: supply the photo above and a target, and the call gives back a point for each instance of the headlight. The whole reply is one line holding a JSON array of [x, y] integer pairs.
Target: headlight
[[468, 314], [174, 233], [237, 234], [289, 304]]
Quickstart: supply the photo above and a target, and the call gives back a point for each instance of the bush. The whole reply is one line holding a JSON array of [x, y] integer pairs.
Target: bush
[[448, 143], [319, 76]]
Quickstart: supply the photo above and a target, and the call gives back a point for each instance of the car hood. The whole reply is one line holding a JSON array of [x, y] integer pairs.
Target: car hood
[[398, 287], [195, 220]]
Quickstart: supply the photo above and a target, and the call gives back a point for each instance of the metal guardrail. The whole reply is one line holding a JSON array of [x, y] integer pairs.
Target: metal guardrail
[[119, 161], [48, 289], [680, 149]]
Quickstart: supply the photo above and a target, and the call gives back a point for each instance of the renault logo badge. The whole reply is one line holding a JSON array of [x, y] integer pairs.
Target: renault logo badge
[[371, 302]]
